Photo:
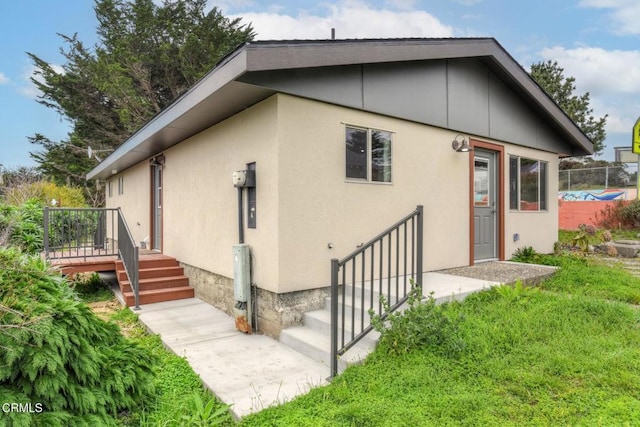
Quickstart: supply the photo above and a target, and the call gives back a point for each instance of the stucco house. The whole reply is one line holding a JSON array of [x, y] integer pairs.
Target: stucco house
[[344, 138]]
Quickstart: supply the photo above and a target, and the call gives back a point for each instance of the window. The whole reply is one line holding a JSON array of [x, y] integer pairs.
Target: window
[[109, 189], [527, 184], [120, 185], [368, 155]]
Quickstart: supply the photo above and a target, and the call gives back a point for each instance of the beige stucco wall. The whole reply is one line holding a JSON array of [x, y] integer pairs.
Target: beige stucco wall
[[134, 201], [304, 201], [200, 201], [318, 205]]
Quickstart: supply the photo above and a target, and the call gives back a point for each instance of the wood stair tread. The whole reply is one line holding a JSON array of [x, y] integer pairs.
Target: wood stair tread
[[160, 291], [157, 279]]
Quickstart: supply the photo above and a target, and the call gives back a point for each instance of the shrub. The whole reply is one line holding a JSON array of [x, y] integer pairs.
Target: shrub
[[57, 353], [22, 226], [630, 213], [581, 239], [525, 254], [90, 287], [45, 191], [424, 324], [611, 217]]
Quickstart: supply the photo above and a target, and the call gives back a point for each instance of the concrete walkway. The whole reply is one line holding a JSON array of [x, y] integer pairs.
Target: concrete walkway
[[248, 372], [252, 372]]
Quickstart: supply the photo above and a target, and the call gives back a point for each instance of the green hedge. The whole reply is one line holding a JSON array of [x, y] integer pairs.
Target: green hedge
[[58, 356]]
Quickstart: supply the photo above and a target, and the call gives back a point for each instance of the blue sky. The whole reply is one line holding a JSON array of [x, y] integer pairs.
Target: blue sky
[[596, 41]]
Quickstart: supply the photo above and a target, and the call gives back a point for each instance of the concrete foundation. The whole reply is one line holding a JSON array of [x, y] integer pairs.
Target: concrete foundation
[[280, 311], [275, 311]]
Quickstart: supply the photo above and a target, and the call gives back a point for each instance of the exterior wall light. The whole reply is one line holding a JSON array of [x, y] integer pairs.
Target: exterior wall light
[[157, 160], [461, 144]]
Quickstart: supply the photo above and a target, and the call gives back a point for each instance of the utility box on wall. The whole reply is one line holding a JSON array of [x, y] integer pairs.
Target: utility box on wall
[[242, 287], [241, 272]]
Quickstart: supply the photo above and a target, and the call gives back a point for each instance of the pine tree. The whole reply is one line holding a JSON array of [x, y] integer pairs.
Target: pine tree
[[550, 76], [146, 56]]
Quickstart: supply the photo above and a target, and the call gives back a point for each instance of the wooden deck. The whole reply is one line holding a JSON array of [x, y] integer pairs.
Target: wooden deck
[[95, 263], [82, 261], [161, 278]]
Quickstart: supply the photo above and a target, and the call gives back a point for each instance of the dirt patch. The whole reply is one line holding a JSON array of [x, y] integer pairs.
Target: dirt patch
[[105, 309]]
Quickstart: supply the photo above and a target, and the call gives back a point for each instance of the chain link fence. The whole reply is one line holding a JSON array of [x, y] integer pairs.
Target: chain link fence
[[598, 178]]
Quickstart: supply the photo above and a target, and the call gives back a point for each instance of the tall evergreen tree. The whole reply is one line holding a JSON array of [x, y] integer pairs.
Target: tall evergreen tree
[[550, 76], [146, 56]]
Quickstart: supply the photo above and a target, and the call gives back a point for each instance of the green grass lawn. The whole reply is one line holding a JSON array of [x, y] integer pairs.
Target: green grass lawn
[[180, 399], [565, 353]]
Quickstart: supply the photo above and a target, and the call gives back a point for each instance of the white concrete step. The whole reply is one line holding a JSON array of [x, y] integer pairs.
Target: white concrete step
[[317, 346], [320, 320], [313, 339]]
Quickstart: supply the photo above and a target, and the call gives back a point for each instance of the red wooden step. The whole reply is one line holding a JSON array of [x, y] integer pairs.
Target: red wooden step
[[149, 273], [157, 283], [160, 279], [159, 295], [151, 261]]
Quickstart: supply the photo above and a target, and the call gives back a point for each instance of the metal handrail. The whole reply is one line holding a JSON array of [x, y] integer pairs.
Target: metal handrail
[[90, 232], [79, 232], [378, 268], [129, 254]]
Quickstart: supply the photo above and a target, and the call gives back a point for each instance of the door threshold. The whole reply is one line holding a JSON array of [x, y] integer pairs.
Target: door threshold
[[482, 261]]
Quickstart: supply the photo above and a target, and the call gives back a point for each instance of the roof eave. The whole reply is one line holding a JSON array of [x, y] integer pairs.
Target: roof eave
[[232, 67], [262, 56]]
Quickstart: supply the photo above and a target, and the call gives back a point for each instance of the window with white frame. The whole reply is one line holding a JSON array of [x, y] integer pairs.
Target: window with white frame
[[121, 185], [528, 180], [368, 154], [109, 189]]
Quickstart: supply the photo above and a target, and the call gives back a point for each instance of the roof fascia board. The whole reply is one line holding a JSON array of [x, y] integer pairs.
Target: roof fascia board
[[526, 82], [265, 57], [231, 68]]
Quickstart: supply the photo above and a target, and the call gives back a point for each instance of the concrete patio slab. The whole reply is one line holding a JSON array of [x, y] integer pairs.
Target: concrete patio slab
[[248, 372]]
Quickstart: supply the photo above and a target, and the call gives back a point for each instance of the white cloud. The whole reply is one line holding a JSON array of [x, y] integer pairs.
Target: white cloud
[[29, 89], [625, 14], [610, 76], [351, 19], [3, 79], [597, 70]]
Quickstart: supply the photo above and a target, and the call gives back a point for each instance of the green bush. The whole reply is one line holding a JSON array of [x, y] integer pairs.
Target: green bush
[[22, 226], [90, 287], [57, 353], [424, 324], [45, 192], [630, 213], [525, 254]]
